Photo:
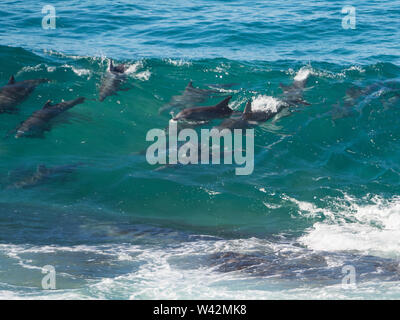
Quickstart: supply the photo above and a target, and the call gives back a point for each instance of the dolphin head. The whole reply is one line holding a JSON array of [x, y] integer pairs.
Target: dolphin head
[[183, 114], [117, 69]]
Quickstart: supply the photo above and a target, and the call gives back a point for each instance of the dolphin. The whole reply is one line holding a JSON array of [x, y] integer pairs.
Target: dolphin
[[355, 95], [190, 97], [390, 99], [13, 93], [293, 94], [111, 82], [42, 174], [39, 121], [250, 118], [220, 110]]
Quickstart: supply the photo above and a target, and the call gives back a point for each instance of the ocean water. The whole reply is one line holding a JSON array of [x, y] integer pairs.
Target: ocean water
[[324, 194]]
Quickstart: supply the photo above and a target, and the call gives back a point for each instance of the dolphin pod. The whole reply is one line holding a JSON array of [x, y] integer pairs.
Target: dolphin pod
[[187, 103], [13, 93], [39, 121]]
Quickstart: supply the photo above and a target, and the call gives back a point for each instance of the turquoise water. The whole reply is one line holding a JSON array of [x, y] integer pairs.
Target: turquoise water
[[325, 188]]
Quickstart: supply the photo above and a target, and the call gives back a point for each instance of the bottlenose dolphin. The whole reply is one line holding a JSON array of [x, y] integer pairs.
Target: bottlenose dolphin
[[357, 95], [293, 94], [390, 99], [13, 93], [111, 82], [250, 118], [190, 97], [220, 110], [42, 174], [39, 121]]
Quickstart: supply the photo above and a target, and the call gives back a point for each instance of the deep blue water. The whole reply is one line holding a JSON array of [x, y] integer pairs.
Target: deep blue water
[[325, 188]]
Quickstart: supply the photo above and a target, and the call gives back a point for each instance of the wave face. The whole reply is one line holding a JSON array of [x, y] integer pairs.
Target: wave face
[[325, 188]]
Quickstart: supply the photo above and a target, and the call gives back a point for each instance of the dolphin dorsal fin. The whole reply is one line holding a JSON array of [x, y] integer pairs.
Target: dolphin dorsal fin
[[12, 80], [190, 84], [47, 104], [247, 109], [111, 66], [224, 103]]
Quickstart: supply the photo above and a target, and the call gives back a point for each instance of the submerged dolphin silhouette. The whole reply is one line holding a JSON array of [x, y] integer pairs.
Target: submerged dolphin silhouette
[[220, 110], [42, 174], [111, 82], [39, 121], [190, 97], [13, 93]]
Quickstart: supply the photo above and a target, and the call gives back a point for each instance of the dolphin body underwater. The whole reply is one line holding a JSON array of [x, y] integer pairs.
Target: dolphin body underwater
[[112, 81], [293, 94], [43, 174], [190, 97], [220, 110], [387, 91], [13, 93], [39, 121]]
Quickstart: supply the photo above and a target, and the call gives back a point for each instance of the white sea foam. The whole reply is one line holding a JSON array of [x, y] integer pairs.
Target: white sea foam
[[265, 103], [176, 272], [79, 72], [302, 74], [180, 271], [144, 75], [178, 63], [36, 68], [372, 228], [133, 69]]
